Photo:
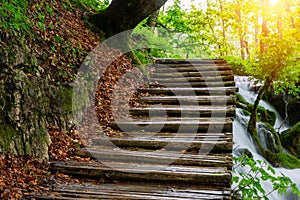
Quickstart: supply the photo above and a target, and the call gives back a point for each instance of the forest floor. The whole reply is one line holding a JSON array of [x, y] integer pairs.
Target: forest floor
[[22, 175]]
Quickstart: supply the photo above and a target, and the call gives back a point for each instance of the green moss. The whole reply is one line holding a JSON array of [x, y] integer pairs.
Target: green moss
[[263, 115], [246, 112], [282, 160], [291, 140], [66, 94], [7, 133], [240, 99]]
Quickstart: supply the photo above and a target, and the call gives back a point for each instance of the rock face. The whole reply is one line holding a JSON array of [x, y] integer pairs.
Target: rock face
[[290, 139], [28, 105]]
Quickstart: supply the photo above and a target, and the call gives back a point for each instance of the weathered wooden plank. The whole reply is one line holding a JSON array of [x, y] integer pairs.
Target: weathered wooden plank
[[155, 157], [181, 125], [190, 91], [166, 68], [176, 144], [198, 135], [212, 176], [205, 74], [135, 191], [189, 100], [192, 79], [194, 84], [185, 110], [189, 61]]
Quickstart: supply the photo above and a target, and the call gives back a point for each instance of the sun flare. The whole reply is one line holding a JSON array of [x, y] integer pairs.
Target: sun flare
[[273, 2]]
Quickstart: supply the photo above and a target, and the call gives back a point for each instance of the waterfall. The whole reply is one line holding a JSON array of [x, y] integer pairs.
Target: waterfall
[[243, 140]]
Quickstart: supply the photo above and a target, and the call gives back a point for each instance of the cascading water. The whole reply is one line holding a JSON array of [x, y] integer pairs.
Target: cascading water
[[243, 140]]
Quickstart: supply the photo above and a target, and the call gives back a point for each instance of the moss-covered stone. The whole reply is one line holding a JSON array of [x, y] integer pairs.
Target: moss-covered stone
[[282, 160], [263, 115], [290, 139], [293, 110], [277, 100], [28, 105]]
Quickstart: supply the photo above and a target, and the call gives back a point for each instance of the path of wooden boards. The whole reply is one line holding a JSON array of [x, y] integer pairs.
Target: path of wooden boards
[[178, 143]]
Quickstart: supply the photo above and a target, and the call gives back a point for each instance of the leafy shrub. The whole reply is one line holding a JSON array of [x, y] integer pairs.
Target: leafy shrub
[[248, 185], [238, 65]]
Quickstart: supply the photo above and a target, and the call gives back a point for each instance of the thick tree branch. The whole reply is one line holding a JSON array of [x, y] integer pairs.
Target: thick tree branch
[[123, 15]]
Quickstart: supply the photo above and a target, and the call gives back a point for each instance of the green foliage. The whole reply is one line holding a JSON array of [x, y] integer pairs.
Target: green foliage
[[239, 66], [13, 18], [248, 185], [94, 4]]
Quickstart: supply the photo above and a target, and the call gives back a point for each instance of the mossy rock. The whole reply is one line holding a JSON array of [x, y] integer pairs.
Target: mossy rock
[[282, 160], [290, 139], [277, 100], [263, 115], [293, 110]]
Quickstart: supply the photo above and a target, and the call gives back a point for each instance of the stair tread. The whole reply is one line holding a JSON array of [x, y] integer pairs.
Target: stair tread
[[166, 154], [187, 89], [138, 191], [185, 107], [191, 100], [157, 157], [193, 84], [193, 79], [142, 168], [175, 120], [191, 67], [205, 145], [189, 61], [175, 73], [190, 91]]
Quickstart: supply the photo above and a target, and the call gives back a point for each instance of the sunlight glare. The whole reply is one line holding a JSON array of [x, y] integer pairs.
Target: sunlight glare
[[273, 2]]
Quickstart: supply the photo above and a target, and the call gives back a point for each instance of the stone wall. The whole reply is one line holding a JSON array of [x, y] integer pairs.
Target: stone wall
[[28, 105]]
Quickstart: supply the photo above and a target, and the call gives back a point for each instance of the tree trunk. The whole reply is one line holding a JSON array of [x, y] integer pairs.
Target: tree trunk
[[152, 20], [223, 27], [123, 15], [241, 34], [253, 117], [264, 28]]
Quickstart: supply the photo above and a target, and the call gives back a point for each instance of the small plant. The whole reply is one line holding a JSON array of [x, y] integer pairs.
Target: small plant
[[248, 184]]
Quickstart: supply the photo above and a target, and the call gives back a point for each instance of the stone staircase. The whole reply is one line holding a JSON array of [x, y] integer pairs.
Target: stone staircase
[[176, 145]]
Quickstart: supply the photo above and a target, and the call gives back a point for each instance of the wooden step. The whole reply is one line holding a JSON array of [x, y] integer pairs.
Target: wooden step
[[190, 91], [176, 74], [189, 100], [194, 84], [206, 176], [198, 135], [126, 191], [192, 79], [190, 68], [185, 111], [157, 157], [181, 125], [205, 144], [189, 61]]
